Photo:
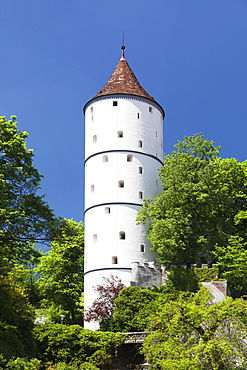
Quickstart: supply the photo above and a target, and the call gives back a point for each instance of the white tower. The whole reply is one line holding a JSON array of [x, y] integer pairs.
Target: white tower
[[123, 151]]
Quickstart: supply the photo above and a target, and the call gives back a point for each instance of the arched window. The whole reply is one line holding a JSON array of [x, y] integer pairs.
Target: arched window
[[121, 184], [114, 260], [121, 235], [129, 158], [105, 158]]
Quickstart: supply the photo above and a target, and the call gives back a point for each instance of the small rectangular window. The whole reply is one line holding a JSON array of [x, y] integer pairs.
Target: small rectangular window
[[140, 144], [114, 103], [120, 134], [140, 170], [114, 260], [107, 210], [94, 139], [129, 158], [105, 158], [138, 115], [140, 194], [121, 235], [150, 109], [142, 248]]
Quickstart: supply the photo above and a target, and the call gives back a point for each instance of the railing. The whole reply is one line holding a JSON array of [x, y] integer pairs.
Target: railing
[[136, 337]]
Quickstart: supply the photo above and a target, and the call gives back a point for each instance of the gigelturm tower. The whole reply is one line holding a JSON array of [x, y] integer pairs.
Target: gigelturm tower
[[123, 151]]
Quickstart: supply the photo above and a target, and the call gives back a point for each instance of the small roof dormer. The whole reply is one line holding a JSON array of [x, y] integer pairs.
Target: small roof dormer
[[123, 81]]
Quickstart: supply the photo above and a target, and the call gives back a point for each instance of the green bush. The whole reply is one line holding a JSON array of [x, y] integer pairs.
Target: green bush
[[74, 345], [21, 363]]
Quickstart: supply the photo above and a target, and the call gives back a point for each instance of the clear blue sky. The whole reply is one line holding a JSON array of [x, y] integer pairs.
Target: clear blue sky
[[191, 56]]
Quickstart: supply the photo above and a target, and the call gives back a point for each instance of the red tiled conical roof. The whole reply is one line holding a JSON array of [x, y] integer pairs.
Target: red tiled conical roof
[[123, 81]]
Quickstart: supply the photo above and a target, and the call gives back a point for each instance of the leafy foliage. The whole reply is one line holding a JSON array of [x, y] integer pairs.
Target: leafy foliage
[[75, 345], [24, 216], [102, 307], [232, 261], [203, 203], [21, 363], [16, 320], [61, 271], [190, 333], [132, 308]]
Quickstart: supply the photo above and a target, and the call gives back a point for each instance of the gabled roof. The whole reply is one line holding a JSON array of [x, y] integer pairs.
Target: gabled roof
[[123, 81]]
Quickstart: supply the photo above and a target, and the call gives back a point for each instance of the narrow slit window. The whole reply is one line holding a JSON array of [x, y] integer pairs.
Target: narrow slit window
[[105, 158], [94, 139], [114, 260], [156, 182], [121, 235], [138, 115], [142, 248], [107, 210], [91, 109], [129, 158], [156, 133], [140, 143], [114, 103], [140, 169], [92, 188], [150, 109], [94, 238], [140, 194], [121, 184], [120, 134]]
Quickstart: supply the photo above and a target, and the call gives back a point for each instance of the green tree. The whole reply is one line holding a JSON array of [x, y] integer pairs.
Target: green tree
[[61, 271], [25, 277], [232, 262], [132, 308], [191, 333], [202, 204], [24, 216], [16, 319], [74, 345]]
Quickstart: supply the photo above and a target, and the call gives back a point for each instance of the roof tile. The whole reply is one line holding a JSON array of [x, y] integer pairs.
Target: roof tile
[[123, 81]]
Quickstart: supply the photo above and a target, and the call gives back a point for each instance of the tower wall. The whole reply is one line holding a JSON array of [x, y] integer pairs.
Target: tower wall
[[123, 152]]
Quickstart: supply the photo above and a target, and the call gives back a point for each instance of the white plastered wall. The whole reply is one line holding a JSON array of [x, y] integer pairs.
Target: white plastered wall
[[113, 133]]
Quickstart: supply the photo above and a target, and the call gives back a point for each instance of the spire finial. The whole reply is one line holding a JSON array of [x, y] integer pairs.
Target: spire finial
[[123, 47]]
